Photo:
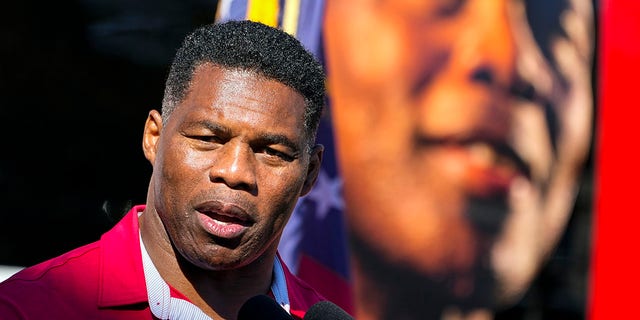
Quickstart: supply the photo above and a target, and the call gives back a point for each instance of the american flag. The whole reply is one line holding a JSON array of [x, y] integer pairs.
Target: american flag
[[314, 243]]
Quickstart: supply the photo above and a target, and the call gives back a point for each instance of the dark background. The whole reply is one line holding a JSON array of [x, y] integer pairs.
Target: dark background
[[77, 79]]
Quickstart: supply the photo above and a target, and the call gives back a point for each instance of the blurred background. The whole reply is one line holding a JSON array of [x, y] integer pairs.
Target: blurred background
[[77, 79]]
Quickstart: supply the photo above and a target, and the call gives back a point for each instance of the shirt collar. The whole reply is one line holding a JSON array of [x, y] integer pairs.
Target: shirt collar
[[164, 306], [121, 273]]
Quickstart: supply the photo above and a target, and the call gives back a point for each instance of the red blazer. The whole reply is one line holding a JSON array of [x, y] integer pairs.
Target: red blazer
[[103, 280]]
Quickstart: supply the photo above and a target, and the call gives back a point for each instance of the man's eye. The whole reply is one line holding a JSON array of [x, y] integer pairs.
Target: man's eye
[[211, 139], [448, 8], [275, 153]]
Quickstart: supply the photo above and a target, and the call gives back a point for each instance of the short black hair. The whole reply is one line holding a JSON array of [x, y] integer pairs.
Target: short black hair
[[252, 46]]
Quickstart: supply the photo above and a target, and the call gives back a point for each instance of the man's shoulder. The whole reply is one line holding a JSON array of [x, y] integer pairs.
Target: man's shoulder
[[53, 287], [74, 264], [78, 264]]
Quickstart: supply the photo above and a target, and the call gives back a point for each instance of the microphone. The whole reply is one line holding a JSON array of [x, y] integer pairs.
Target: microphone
[[326, 310], [262, 307]]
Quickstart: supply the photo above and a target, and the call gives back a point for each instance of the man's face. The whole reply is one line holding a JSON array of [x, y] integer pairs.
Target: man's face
[[458, 139], [229, 166]]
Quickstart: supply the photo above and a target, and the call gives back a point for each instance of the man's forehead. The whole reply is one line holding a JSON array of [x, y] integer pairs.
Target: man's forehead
[[244, 95]]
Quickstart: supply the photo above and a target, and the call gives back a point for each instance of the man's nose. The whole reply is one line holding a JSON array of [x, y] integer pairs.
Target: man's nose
[[486, 51], [471, 91], [235, 166]]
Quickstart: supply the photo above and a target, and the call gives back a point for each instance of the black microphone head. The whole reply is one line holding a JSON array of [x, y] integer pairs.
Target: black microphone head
[[262, 307], [326, 310]]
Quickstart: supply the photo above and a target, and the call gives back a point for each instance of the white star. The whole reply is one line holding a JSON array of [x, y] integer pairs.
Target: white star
[[326, 193]]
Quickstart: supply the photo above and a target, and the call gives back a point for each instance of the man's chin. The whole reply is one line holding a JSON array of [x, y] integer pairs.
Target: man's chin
[[466, 290], [488, 214]]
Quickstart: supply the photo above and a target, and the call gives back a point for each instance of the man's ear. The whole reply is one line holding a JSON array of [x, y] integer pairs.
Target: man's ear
[[315, 161], [151, 135]]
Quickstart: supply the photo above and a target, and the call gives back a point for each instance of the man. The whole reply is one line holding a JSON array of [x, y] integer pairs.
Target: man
[[461, 130], [232, 151]]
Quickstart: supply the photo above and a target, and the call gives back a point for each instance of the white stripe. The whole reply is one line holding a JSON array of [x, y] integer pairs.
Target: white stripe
[[223, 9], [8, 271]]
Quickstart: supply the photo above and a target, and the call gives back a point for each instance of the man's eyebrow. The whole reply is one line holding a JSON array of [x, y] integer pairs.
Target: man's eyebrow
[[274, 138], [211, 126]]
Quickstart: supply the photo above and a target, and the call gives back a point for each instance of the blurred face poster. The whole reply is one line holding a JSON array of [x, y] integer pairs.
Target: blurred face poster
[[461, 129]]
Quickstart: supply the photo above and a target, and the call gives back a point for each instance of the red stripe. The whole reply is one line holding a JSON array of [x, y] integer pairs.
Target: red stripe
[[329, 283], [615, 273]]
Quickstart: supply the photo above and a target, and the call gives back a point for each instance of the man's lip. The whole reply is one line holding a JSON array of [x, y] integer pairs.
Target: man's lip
[[225, 211], [507, 152], [503, 151]]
